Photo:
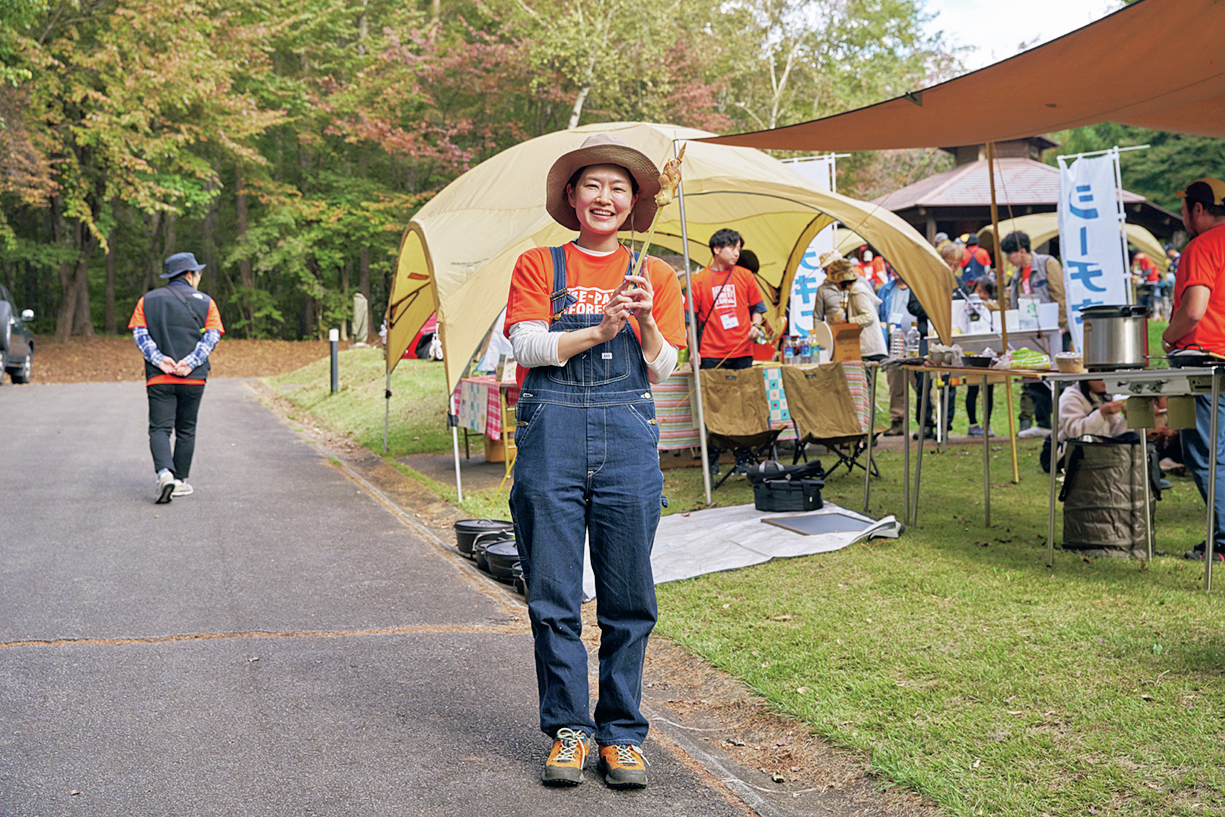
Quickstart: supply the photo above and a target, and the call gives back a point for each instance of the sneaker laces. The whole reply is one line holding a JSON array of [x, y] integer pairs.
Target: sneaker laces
[[626, 755], [570, 741]]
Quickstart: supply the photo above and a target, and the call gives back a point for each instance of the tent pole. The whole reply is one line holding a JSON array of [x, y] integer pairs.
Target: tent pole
[[459, 488], [386, 408], [695, 356], [1003, 299]]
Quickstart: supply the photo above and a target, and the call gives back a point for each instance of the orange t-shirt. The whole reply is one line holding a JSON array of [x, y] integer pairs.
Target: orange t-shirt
[[725, 323], [211, 321], [1203, 264], [591, 279]]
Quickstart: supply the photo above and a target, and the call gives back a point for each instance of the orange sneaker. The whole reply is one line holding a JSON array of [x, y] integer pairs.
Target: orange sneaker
[[565, 764], [624, 766]]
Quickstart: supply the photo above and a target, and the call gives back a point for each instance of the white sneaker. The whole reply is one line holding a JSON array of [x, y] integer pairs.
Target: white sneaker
[[1033, 431], [182, 488], [165, 487]]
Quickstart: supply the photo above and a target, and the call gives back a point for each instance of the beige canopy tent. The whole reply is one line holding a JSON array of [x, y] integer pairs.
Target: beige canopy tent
[[1042, 227], [458, 251], [1152, 64]]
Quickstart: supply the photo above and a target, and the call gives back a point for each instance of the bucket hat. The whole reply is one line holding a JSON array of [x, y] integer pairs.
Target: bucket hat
[[180, 263], [840, 270], [603, 149]]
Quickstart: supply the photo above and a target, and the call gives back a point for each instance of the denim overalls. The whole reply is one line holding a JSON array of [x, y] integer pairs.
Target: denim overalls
[[588, 466]]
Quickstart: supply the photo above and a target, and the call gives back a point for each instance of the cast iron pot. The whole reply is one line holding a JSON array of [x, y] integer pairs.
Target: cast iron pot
[[466, 531], [517, 580], [1116, 337], [501, 558], [486, 541]]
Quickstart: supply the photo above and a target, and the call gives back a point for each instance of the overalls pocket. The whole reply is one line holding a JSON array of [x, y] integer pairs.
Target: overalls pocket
[[527, 417]]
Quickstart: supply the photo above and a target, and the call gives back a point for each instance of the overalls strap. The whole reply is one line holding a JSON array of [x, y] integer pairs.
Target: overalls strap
[[561, 299]]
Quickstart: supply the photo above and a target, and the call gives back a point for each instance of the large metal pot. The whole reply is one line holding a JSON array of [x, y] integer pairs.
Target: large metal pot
[[1116, 337]]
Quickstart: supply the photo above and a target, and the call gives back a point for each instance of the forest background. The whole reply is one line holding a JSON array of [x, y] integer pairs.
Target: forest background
[[287, 143]]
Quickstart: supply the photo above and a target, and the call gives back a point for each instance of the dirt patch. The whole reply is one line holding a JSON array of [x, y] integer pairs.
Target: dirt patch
[[116, 358]]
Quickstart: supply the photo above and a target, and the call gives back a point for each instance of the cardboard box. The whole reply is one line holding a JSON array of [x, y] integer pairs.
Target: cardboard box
[[846, 342]]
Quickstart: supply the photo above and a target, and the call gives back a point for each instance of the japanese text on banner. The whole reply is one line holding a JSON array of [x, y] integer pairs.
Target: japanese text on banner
[[1094, 266]]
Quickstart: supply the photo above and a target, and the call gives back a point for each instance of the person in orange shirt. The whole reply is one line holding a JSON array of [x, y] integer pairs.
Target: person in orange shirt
[[729, 306], [176, 328], [591, 338], [1197, 325]]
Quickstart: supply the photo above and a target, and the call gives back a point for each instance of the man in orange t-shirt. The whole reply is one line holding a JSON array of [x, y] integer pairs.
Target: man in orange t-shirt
[[176, 328], [728, 306], [1198, 325]]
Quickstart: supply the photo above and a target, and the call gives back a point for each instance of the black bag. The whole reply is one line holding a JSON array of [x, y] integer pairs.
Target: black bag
[[788, 495]]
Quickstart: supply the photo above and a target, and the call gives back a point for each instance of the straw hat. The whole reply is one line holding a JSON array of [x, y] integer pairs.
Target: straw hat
[[829, 258], [603, 149]]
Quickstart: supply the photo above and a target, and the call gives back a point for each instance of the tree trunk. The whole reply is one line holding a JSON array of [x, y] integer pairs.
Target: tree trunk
[[74, 286], [577, 111], [171, 222], [244, 266], [152, 267], [109, 317]]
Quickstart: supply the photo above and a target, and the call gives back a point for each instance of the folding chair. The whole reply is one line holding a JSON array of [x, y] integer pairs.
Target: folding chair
[[737, 414], [823, 411]]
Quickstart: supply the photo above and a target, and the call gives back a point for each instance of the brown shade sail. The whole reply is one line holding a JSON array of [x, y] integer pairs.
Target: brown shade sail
[[1154, 64]]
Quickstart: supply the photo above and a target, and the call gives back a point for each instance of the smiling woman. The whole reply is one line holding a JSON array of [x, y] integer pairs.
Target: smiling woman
[[591, 336]]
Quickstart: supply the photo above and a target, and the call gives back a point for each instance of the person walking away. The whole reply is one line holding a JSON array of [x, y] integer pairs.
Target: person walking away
[[176, 328], [590, 339], [1040, 277], [1196, 326], [975, 262], [730, 311]]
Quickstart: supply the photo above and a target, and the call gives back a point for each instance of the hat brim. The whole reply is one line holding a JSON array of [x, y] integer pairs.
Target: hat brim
[[643, 170], [180, 272]]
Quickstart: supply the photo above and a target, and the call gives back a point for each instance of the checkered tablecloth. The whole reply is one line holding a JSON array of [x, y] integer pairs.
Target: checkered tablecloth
[[478, 404]]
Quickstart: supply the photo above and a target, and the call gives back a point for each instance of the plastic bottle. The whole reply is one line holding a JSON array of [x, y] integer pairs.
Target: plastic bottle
[[912, 342], [788, 352], [805, 351], [897, 342]]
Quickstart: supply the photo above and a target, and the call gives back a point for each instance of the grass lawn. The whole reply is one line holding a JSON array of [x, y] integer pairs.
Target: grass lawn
[[952, 659]]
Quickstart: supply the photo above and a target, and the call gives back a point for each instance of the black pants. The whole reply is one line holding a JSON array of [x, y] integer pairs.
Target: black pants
[[972, 404], [1040, 393], [173, 407], [745, 362]]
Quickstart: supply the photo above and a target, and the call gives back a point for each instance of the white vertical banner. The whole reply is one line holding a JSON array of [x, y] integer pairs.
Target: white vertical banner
[[1090, 236], [818, 171]]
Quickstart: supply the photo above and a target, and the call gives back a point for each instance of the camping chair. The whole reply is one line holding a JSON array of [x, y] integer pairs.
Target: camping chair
[[823, 411], [737, 414]]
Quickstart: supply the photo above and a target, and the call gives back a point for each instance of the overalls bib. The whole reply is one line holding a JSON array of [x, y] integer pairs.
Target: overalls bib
[[588, 467]]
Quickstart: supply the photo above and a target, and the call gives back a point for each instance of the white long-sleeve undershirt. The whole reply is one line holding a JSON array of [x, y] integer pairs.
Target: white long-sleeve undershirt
[[534, 345]]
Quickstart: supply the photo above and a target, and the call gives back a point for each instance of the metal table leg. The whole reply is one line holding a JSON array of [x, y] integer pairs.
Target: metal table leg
[[906, 450], [918, 469], [867, 476], [942, 427], [1214, 447], [1148, 495], [986, 454], [1050, 508]]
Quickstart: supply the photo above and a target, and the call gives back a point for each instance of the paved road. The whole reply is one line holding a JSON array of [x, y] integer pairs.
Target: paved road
[[277, 644]]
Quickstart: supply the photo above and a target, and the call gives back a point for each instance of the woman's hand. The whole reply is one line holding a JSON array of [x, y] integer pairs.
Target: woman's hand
[[1113, 407], [642, 297]]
